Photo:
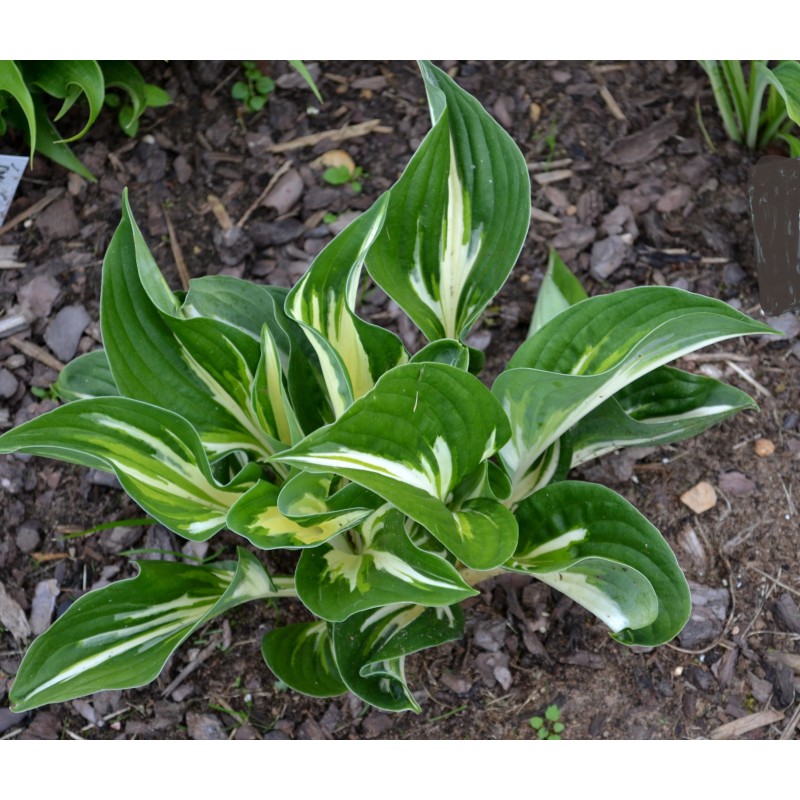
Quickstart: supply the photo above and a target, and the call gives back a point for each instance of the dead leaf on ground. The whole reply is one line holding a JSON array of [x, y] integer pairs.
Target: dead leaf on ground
[[642, 145]]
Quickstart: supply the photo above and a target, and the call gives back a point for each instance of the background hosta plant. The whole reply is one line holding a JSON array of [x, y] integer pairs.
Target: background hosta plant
[[25, 85], [401, 479], [747, 118]]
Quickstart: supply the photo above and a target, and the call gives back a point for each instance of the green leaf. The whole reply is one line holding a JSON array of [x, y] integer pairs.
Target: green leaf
[[11, 81], [370, 649], [560, 289], [589, 543], [156, 455], [411, 440], [68, 80], [353, 353], [123, 75], [592, 350], [120, 636], [666, 405], [86, 376], [336, 176], [444, 351], [257, 517], [203, 369], [457, 217], [48, 140], [240, 91], [376, 566], [303, 71], [786, 80], [552, 713], [301, 655]]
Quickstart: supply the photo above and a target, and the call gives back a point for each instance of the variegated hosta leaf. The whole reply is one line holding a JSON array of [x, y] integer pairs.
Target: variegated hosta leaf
[[411, 440], [301, 655], [250, 307], [156, 455], [202, 369], [444, 351], [353, 353], [560, 289], [257, 517], [666, 405], [457, 217], [371, 647], [121, 636], [308, 498], [591, 544], [376, 565], [86, 376], [592, 350]]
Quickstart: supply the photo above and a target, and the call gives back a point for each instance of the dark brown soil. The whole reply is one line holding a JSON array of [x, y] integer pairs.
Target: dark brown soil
[[526, 646]]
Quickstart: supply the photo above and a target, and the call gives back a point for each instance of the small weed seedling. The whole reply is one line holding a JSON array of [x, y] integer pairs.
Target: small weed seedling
[[401, 479], [255, 89], [549, 727], [342, 175]]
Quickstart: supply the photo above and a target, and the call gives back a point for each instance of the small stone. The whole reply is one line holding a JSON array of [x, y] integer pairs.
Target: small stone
[[118, 539], [10, 719], [342, 221], [764, 448], [733, 274], [204, 726], [311, 729], [28, 537], [700, 498], [245, 733], [183, 170], [788, 324], [8, 384], [791, 421], [64, 333]]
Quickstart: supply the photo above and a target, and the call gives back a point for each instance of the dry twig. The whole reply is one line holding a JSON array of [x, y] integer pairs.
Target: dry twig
[[34, 351], [752, 722], [334, 135], [177, 253]]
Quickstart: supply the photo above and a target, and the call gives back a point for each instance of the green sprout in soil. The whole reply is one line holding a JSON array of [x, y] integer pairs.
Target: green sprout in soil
[[549, 727], [341, 175], [255, 89]]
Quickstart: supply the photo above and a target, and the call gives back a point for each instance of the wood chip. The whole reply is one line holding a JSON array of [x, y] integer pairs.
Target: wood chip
[[8, 257], [764, 448], [700, 498], [752, 722], [543, 216], [12, 616], [544, 178], [216, 207]]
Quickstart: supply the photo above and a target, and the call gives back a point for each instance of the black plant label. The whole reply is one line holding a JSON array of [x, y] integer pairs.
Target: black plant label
[[774, 191]]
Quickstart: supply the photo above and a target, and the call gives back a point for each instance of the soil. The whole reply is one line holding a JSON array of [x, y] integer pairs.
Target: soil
[[684, 208]]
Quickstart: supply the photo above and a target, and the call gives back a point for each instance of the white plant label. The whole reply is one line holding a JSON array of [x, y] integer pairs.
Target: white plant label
[[11, 169]]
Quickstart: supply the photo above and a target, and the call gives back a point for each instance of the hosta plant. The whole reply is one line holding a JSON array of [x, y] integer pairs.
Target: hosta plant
[[400, 479], [747, 118], [25, 85]]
